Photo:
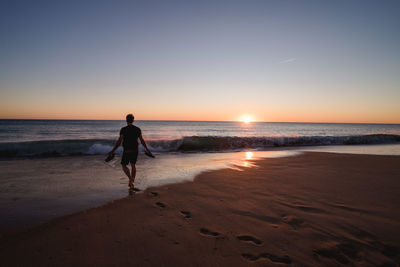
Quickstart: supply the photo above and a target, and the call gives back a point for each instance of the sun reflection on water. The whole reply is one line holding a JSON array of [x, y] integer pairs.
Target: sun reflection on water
[[249, 155]]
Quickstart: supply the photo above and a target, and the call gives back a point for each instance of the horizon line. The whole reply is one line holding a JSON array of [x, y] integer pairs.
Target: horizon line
[[391, 123]]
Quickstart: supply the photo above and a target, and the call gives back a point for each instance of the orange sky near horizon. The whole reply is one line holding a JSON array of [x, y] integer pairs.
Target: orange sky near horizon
[[267, 115]]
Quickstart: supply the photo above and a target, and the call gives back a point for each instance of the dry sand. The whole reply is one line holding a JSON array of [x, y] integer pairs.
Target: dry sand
[[316, 209]]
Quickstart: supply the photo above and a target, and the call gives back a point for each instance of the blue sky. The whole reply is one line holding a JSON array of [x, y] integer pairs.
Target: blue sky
[[330, 61]]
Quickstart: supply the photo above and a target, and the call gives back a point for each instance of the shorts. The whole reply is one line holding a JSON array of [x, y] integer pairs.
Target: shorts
[[129, 157]]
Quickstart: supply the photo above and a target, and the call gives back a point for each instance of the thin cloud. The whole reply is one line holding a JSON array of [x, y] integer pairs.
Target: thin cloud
[[289, 60]]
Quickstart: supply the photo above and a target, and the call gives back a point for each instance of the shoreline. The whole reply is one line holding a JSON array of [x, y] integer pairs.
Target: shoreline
[[48, 188], [275, 212]]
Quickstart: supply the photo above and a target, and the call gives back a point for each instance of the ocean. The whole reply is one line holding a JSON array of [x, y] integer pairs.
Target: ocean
[[52, 138], [51, 168]]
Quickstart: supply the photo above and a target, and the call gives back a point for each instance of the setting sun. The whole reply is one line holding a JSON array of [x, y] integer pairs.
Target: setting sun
[[246, 119]]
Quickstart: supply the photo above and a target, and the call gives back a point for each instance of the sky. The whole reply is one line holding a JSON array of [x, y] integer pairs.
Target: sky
[[293, 61]]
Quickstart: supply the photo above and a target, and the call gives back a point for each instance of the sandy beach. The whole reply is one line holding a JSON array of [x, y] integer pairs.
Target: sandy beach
[[315, 209]]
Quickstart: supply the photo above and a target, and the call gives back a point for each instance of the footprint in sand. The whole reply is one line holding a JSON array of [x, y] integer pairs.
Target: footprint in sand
[[250, 257], [293, 221], [343, 252], [249, 238], [274, 258], [332, 253], [346, 252], [154, 194], [161, 205], [205, 231], [186, 214]]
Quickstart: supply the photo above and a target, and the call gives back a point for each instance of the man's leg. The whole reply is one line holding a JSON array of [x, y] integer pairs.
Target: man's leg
[[133, 174], [127, 172]]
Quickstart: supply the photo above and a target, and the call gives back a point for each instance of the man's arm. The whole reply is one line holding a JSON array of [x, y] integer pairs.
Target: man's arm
[[144, 143], [117, 144]]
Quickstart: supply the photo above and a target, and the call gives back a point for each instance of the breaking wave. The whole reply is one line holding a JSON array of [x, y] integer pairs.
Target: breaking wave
[[185, 144]]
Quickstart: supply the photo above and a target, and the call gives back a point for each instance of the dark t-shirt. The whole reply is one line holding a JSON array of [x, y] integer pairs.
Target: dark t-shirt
[[131, 134]]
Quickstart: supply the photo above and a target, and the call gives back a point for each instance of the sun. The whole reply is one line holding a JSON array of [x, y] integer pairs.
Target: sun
[[246, 119]]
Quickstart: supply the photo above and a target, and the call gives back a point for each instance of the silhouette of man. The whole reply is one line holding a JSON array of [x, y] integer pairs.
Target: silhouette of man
[[128, 136]]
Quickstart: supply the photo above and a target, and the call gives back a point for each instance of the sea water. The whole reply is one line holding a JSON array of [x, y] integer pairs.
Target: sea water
[[50, 168], [52, 138]]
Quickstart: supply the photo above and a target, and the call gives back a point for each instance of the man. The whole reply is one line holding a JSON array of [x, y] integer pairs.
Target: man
[[128, 136]]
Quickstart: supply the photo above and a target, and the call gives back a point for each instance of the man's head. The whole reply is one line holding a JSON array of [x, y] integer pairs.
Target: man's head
[[130, 118]]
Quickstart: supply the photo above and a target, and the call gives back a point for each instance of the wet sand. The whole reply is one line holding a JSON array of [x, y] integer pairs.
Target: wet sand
[[313, 209], [47, 188]]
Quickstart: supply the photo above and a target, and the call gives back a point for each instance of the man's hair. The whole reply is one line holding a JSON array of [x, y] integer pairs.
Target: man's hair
[[129, 118]]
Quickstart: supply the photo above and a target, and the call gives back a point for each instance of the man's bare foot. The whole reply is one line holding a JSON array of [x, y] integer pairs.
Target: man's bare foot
[[131, 184], [134, 189]]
